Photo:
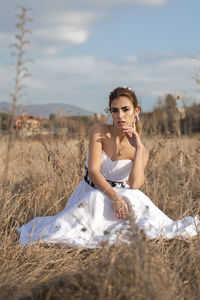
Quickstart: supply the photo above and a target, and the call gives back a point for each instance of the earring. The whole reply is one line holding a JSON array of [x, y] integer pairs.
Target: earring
[[136, 118]]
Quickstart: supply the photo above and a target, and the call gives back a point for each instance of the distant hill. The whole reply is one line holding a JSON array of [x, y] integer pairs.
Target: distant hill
[[44, 110]]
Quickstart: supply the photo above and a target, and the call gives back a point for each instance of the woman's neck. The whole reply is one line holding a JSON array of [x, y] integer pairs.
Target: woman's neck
[[118, 134]]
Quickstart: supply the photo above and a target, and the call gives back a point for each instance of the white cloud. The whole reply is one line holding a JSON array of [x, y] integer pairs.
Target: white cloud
[[131, 59], [7, 83], [2, 36], [35, 83], [51, 50], [178, 62], [62, 28], [153, 2], [89, 68], [87, 80], [67, 34], [6, 39], [124, 2], [73, 17], [57, 25]]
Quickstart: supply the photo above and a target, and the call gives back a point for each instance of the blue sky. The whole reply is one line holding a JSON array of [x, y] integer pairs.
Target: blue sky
[[84, 49]]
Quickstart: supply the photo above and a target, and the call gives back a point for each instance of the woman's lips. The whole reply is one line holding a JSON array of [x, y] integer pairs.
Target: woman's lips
[[121, 123]]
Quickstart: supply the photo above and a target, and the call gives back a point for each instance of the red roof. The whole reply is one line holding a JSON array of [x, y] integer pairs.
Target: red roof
[[27, 117]]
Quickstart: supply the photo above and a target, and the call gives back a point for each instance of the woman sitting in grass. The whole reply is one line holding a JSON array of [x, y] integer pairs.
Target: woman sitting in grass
[[108, 197]]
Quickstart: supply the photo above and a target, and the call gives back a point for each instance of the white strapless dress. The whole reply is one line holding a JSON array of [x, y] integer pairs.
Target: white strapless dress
[[88, 220]]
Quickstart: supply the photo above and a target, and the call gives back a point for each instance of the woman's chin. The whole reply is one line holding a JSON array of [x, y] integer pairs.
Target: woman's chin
[[120, 128]]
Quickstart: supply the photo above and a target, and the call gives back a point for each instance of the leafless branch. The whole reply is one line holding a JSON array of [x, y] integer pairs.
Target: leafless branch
[[21, 70]]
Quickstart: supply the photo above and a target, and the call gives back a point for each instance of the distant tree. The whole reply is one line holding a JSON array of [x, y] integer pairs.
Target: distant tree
[[166, 114], [52, 117], [5, 121], [170, 103], [172, 112], [192, 120]]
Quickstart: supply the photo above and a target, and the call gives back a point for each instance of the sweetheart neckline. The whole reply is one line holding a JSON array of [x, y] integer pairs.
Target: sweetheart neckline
[[115, 160]]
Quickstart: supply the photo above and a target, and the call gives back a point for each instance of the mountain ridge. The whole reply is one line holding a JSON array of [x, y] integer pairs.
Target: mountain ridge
[[44, 110]]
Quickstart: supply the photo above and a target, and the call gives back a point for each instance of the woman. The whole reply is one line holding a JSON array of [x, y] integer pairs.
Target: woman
[[102, 205], [120, 141]]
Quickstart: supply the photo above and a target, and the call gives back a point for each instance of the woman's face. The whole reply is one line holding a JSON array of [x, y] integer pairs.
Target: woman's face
[[123, 112]]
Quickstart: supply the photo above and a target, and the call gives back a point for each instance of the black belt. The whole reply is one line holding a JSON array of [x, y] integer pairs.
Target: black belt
[[112, 183]]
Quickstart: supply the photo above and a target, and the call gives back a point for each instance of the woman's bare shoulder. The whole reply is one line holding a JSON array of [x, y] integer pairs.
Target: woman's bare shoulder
[[101, 129]]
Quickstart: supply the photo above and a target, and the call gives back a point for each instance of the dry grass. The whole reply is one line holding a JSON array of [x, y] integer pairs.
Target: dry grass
[[41, 177]]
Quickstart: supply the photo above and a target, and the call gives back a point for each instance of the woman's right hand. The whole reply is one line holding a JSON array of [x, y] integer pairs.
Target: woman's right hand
[[121, 207]]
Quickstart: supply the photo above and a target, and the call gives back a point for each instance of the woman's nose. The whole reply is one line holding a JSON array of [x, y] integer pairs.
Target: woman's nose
[[120, 114]]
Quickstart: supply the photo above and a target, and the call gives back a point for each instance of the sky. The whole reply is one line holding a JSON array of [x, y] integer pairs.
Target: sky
[[82, 50]]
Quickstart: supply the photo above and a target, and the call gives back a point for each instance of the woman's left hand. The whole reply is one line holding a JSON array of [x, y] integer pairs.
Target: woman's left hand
[[133, 137]]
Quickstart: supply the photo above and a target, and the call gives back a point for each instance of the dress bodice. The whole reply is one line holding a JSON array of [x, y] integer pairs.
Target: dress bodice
[[117, 170]]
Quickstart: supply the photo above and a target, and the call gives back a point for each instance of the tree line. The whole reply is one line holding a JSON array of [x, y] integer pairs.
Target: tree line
[[165, 118]]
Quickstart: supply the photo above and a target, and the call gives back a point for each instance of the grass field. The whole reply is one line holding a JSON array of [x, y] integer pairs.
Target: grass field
[[37, 179]]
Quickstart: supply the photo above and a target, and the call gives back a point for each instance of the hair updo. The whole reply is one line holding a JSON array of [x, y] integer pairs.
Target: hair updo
[[130, 94]]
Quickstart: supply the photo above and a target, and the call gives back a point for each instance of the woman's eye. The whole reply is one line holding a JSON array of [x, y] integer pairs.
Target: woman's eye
[[115, 110]]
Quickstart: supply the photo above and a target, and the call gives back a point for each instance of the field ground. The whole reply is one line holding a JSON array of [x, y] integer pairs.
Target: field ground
[[38, 177]]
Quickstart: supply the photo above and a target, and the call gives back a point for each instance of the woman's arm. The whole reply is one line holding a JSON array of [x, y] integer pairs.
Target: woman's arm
[[136, 176], [94, 163]]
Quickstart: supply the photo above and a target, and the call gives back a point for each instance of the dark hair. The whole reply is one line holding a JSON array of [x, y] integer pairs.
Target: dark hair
[[129, 93]]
